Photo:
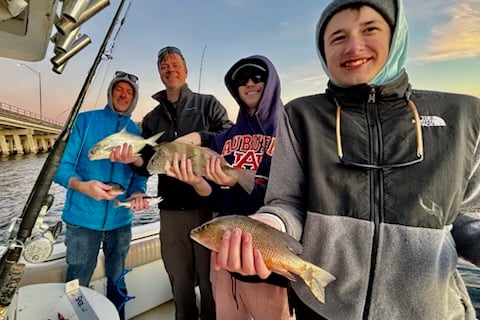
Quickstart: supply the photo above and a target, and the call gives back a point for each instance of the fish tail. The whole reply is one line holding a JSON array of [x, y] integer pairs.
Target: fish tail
[[152, 141], [246, 179], [317, 279], [117, 204]]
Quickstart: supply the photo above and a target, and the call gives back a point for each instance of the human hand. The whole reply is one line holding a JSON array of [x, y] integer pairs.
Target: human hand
[[237, 254], [97, 190], [215, 173], [181, 168], [193, 138], [124, 154], [139, 201]]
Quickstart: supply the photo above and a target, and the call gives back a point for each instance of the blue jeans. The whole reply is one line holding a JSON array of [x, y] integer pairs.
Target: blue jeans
[[83, 246]]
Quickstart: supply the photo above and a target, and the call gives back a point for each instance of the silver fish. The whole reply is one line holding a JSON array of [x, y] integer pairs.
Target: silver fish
[[279, 250], [128, 203], [198, 156], [103, 148], [117, 189]]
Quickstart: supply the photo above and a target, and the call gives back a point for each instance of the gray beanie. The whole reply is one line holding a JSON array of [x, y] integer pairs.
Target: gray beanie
[[132, 80], [387, 8]]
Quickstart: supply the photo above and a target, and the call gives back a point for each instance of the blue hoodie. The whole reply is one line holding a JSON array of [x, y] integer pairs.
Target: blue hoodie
[[249, 144], [89, 128]]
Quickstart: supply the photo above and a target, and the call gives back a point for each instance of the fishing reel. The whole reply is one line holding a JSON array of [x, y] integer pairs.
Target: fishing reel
[[39, 246]]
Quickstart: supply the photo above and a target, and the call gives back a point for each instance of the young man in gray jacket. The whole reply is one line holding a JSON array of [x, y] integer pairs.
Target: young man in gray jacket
[[380, 182]]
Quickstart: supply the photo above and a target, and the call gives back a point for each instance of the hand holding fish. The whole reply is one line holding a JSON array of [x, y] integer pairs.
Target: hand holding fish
[[124, 154], [138, 201], [237, 254], [95, 189], [181, 168], [250, 247], [215, 173], [250, 261]]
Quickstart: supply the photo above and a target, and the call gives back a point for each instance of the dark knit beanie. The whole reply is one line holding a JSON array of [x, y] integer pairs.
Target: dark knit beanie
[[387, 8]]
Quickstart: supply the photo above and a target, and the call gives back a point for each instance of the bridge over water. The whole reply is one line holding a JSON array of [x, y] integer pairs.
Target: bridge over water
[[22, 131]]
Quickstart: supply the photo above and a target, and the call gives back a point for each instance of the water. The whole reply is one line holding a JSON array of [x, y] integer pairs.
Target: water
[[18, 174]]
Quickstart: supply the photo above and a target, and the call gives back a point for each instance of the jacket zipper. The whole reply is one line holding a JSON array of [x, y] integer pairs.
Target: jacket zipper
[[111, 177], [376, 197]]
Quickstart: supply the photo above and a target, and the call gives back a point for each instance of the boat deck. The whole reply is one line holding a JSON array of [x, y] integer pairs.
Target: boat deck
[[165, 311]]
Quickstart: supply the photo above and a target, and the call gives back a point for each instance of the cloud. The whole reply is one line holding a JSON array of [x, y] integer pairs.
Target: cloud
[[459, 36]]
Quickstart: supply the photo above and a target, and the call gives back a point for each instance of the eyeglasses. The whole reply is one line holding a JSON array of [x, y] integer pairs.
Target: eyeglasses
[[131, 77], [167, 50], [418, 135], [242, 79]]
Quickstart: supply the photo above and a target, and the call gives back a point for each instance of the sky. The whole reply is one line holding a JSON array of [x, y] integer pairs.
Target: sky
[[444, 50]]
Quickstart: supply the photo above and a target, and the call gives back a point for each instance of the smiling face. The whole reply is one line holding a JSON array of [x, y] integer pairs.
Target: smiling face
[[357, 44], [122, 96], [251, 93], [173, 71]]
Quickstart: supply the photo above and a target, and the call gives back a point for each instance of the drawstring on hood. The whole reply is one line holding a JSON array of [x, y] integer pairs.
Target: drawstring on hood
[[394, 14], [124, 77]]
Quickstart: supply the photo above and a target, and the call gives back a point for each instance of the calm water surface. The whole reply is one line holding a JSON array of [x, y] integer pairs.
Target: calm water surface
[[19, 173], [17, 177]]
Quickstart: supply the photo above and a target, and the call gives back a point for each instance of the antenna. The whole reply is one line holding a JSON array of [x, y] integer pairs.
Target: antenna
[[201, 68]]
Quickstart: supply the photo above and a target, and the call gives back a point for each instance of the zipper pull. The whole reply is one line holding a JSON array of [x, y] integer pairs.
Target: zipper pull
[[371, 96]]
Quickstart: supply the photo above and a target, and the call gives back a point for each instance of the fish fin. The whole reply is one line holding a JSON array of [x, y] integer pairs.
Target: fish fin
[[316, 279], [290, 242], [286, 274], [246, 179], [152, 141]]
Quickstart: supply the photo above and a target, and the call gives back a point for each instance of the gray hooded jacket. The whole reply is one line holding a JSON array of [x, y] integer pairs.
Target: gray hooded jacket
[[390, 236]]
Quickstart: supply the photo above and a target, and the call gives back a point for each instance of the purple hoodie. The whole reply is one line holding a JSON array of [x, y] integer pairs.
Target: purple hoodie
[[249, 144]]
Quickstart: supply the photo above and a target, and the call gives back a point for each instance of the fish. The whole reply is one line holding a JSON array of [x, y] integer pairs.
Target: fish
[[117, 189], [103, 148], [199, 156], [128, 203], [279, 250]]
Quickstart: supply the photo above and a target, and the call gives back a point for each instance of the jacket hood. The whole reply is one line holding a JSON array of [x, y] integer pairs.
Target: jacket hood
[[134, 85], [270, 105], [398, 46]]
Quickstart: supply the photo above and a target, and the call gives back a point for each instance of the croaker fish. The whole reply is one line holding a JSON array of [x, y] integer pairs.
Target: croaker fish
[[103, 148], [279, 250], [199, 156], [128, 203]]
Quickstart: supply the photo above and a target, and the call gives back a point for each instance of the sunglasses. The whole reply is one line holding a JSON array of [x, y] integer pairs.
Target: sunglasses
[[242, 79], [131, 77], [167, 50], [418, 134]]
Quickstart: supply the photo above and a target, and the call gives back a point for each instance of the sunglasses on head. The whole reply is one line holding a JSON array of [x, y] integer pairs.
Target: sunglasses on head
[[167, 50], [242, 79], [122, 74]]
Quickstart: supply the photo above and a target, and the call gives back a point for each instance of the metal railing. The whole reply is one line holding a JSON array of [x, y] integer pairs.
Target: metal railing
[[28, 114]]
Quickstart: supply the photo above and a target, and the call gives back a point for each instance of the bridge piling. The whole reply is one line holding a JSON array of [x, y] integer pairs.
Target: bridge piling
[[23, 132]]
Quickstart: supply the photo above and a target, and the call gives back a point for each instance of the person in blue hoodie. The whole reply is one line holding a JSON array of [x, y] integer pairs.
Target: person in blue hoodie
[[248, 144], [380, 182], [91, 219]]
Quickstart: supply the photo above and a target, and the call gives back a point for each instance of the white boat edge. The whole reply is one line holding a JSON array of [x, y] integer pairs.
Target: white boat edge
[[148, 280]]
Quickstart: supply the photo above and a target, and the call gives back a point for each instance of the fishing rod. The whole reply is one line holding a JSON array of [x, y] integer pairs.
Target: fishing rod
[[10, 270]]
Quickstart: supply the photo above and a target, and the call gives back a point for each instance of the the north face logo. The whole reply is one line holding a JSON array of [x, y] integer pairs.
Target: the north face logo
[[432, 121]]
